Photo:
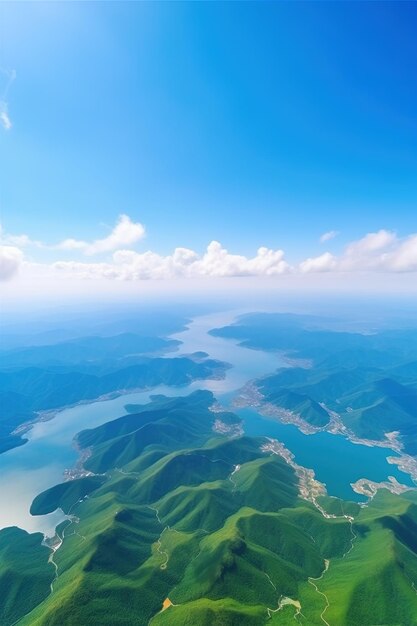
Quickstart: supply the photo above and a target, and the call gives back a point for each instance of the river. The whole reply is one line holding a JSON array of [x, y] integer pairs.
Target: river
[[40, 463]]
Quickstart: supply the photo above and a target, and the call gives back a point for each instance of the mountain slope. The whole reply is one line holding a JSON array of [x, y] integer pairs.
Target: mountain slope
[[217, 531]]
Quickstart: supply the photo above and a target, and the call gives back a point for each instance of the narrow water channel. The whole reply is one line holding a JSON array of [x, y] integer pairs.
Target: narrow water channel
[[40, 463]]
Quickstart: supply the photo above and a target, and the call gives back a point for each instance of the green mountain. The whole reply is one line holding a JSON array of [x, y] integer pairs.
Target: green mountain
[[322, 341], [382, 406], [186, 526], [25, 573], [296, 402], [28, 390], [369, 380], [85, 350]]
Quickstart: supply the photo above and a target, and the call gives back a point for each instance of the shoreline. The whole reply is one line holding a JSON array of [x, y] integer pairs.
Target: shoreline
[[247, 396], [250, 397], [46, 415]]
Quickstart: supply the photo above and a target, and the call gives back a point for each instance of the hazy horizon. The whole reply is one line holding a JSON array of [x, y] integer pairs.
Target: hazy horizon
[[163, 152], [208, 313]]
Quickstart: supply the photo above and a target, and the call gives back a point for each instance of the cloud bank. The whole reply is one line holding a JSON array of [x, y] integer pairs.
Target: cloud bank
[[182, 263], [382, 251], [11, 258], [377, 252]]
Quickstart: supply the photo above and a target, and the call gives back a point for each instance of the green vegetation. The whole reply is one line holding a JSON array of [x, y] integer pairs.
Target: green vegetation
[[25, 574], [375, 583], [369, 380], [84, 352], [50, 377], [299, 403], [64, 495], [215, 528], [368, 404]]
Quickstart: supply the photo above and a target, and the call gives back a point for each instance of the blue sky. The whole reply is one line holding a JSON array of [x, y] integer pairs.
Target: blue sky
[[255, 124]]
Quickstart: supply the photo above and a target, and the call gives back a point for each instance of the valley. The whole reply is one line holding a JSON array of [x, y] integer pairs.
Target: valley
[[206, 508]]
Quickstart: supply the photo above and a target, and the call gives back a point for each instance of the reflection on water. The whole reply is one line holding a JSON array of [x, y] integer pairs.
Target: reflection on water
[[39, 464], [247, 364]]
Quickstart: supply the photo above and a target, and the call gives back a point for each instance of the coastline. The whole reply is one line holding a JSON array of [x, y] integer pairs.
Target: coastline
[[250, 397], [47, 415]]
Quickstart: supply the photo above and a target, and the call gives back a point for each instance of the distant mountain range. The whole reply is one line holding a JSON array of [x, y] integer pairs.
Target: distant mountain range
[[175, 517], [42, 378], [369, 380]]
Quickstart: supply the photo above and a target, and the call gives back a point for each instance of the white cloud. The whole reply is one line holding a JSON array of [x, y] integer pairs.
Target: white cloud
[[382, 251], [404, 257], [369, 252], [21, 241], [331, 234], [125, 233], [72, 244], [4, 116], [324, 263], [363, 254], [372, 242], [182, 263], [217, 261], [10, 76], [379, 252], [11, 259]]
